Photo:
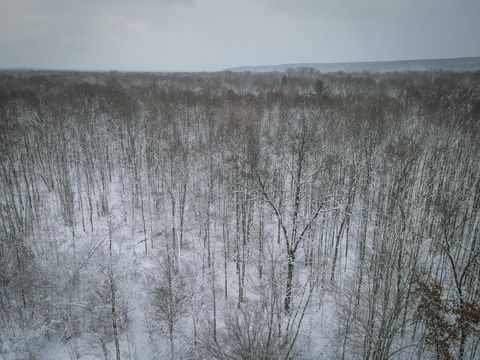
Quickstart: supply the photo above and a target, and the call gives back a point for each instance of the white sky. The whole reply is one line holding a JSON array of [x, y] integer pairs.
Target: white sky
[[192, 35]]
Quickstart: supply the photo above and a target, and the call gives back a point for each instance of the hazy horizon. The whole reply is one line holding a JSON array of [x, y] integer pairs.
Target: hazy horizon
[[224, 69]]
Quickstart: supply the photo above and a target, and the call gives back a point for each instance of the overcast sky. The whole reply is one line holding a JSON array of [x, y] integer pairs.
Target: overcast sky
[[172, 35]]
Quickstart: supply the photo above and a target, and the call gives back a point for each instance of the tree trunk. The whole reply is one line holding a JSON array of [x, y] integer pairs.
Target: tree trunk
[[290, 270]]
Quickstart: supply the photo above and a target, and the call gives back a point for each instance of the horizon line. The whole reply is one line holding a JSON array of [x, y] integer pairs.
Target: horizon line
[[100, 70]]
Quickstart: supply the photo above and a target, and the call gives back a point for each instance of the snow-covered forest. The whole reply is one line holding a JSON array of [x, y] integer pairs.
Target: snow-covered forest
[[239, 216]]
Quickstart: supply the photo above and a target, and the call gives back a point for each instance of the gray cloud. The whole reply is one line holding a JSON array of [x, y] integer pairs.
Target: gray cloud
[[215, 34]]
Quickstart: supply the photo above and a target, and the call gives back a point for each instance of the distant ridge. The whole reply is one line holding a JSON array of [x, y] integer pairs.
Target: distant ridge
[[453, 64]]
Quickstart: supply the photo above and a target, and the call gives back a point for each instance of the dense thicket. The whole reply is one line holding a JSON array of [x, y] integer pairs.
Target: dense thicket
[[239, 216]]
